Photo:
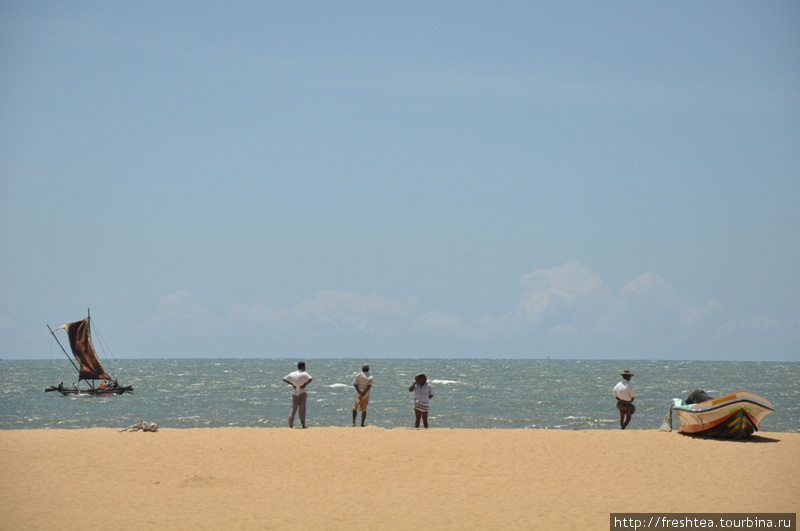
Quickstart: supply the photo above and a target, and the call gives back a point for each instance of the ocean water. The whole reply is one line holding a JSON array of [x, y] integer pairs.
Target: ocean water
[[469, 393]]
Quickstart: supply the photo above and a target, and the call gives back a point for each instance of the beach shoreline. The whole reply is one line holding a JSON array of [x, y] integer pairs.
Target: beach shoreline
[[335, 478]]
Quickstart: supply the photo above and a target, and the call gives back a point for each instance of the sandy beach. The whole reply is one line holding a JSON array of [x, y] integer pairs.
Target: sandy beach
[[340, 478]]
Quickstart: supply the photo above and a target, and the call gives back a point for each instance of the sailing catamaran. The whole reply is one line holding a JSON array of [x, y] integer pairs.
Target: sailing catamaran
[[89, 367]]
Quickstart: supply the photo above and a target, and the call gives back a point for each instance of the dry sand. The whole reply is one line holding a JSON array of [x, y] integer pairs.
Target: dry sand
[[343, 478]]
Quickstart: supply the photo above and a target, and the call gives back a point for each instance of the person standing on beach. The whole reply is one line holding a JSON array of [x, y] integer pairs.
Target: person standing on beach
[[298, 379], [362, 384], [624, 394], [423, 392]]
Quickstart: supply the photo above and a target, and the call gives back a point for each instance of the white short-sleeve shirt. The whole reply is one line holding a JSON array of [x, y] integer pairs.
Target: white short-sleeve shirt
[[298, 378], [624, 390], [422, 393], [362, 380]]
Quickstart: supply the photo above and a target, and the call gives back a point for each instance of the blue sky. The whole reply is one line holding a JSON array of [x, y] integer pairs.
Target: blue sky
[[425, 179]]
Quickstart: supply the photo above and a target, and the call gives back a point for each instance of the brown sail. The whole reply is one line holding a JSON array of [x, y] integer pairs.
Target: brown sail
[[80, 341]]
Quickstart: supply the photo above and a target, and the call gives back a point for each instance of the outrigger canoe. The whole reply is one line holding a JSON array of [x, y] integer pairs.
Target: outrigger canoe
[[88, 364]]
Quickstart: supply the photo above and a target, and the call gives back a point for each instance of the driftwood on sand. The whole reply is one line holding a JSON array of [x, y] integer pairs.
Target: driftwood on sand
[[142, 425]]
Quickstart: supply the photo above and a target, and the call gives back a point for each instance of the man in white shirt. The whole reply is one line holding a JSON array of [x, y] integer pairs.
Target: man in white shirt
[[362, 384], [624, 394], [298, 379]]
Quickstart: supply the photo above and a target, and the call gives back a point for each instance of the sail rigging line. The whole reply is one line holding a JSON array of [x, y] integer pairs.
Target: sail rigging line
[[62, 349], [105, 348], [102, 342], [91, 327]]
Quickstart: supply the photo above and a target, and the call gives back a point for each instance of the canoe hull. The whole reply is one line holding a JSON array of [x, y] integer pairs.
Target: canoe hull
[[92, 392]]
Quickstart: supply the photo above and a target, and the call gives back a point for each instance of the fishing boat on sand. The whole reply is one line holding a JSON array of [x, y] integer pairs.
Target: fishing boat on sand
[[732, 416], [88, 365]]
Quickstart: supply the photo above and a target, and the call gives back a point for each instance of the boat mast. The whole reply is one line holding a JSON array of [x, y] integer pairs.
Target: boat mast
[[89, 330]]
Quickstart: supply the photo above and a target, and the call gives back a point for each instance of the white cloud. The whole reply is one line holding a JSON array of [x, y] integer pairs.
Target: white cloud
[[649, 307], [696, 315], [650, 286], [553, 293], [644, 306], [563, 301], [330, 311], [568, 304], [178, 316], [434, 321], [346, 310]]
